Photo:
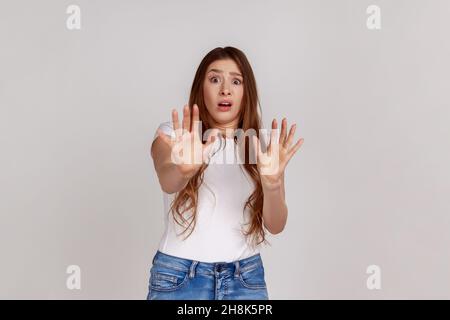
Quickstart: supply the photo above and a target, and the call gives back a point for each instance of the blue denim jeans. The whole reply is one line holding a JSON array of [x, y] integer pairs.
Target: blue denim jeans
[[174, 278]]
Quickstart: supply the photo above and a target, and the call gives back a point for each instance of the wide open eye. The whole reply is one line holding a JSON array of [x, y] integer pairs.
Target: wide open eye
[[214, 79]]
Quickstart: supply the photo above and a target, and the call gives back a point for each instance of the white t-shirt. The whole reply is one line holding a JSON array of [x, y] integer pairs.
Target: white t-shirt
[[217, 236]]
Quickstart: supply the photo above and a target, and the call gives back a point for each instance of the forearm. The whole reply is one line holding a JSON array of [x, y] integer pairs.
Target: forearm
[[274, 208], [171, 179]]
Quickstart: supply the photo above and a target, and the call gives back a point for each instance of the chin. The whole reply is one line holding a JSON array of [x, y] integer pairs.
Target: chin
[[222, 118]]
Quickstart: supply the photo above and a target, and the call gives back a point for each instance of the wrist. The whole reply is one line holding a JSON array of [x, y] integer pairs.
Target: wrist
[[271, 186]]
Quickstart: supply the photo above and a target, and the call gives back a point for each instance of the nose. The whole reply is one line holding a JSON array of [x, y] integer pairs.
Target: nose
[[225, 91]]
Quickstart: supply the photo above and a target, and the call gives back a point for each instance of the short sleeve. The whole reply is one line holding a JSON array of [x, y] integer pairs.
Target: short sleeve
[[167, 128]]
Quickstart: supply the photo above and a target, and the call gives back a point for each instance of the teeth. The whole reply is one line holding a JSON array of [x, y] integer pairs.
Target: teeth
[[224, 104]]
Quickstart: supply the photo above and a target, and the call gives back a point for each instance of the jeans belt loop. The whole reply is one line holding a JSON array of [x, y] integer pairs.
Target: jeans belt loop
[[192, 269], [236, 269]]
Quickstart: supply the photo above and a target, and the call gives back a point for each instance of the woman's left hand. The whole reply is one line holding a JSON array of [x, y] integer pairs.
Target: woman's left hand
[[271, 164]]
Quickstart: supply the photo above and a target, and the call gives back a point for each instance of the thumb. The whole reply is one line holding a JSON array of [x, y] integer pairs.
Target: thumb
[[210, 140], [207, 148]]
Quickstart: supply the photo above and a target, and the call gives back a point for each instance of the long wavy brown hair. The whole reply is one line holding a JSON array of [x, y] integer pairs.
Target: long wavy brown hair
[[249, 118]]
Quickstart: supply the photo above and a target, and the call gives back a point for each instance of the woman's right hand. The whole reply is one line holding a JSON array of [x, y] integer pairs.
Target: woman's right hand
[[187, 139]]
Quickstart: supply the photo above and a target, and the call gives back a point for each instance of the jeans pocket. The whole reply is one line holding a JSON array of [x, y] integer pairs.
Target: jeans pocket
[[253, 277], [167, 279]]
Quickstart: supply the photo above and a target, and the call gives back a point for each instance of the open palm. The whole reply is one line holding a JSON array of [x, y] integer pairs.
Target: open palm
[[272, 163], [187, 150]]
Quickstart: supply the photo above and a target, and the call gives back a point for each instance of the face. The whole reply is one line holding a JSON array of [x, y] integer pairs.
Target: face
[[223, 89]]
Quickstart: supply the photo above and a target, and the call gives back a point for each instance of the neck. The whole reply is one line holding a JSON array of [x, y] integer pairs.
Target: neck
[[227, 129]]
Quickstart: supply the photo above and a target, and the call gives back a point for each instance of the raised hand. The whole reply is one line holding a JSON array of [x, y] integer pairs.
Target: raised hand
[[272, 163], [187, 150]]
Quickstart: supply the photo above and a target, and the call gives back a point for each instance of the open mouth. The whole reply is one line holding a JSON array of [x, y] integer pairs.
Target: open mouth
[[224, 106]]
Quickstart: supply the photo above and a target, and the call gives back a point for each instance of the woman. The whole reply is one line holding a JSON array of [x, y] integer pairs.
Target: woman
[[221, 190]]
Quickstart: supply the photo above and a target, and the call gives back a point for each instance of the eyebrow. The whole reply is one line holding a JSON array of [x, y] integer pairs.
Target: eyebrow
[[220, 71]]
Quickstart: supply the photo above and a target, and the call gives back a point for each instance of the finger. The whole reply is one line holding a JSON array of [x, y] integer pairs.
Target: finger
[[207, 148], [283, 132], [176, 123], [164, 137], [254, 159], [210, 140], [186, 118], [211, 133], [206, 154], [291, 136], [295, 148], [273, 136], [258, 143], [273, 126], [195, 120]]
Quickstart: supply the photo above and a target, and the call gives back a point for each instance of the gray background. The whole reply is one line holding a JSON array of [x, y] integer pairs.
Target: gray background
[[78, 110]]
